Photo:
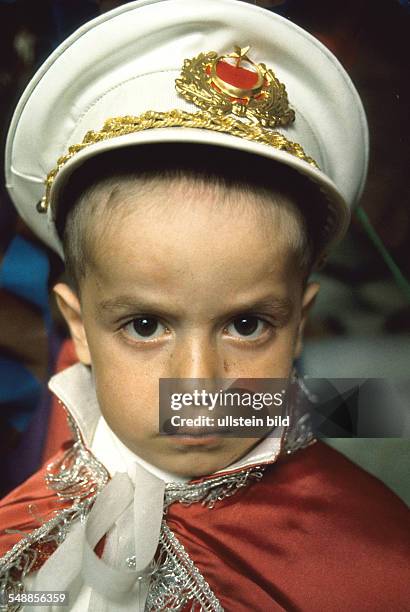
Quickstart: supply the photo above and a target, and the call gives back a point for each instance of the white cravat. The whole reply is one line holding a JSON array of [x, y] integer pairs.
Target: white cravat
[[130, 511]]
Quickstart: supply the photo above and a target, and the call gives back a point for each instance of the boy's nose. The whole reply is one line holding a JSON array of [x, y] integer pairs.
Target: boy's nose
[[198, 359]]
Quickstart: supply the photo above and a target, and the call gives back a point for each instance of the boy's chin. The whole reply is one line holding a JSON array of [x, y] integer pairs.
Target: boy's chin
[[195, 461]]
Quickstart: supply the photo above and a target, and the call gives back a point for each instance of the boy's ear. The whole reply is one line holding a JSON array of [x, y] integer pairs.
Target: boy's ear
[[308, 299], [70, 308]]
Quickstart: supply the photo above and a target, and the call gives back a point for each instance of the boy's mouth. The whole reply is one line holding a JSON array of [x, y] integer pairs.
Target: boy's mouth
[[196, 440], [190, 436]]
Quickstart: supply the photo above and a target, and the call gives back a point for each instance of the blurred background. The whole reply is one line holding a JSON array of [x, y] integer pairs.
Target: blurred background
[[361, 323]]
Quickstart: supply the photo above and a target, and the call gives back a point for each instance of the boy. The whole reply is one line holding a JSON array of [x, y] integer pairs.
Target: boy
[[188, 237]]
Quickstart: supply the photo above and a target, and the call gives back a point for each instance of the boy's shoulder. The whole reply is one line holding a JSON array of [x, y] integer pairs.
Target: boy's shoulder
[[321, 481], [27, 507], [344, 497], [322, 470]]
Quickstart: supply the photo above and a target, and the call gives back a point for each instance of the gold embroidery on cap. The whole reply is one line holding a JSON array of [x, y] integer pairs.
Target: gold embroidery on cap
[[234, 84], [121, 126]]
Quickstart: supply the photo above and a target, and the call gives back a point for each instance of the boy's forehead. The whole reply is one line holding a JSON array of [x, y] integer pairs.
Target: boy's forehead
[[217, 72], [193, 260], [184, 205], [183, 198]]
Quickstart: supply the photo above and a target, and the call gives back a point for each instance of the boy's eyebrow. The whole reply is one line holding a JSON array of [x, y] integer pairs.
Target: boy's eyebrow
[[126, 302], [281, 308]]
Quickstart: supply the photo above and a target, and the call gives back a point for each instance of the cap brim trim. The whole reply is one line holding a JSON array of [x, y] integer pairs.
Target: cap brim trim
[[335, 225]]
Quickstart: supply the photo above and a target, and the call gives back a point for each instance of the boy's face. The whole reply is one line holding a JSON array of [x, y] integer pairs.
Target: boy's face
[[189, 284]]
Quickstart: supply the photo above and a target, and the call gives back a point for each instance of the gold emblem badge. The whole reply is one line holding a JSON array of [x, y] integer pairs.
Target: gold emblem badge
[[233, 84]]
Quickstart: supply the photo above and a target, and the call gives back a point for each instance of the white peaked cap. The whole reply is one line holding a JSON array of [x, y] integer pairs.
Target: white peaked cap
[[126, 62]]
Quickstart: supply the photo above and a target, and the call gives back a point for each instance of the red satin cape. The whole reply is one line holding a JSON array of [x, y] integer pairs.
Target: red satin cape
[[316, 533]]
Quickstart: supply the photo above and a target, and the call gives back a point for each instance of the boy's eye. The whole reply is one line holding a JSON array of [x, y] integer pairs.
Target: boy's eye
[[144, 328], [248, 327]]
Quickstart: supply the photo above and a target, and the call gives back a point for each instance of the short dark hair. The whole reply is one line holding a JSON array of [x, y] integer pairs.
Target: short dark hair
[[225, 169]]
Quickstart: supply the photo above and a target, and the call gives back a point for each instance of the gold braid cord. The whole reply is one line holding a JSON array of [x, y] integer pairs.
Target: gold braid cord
[[121, 126]]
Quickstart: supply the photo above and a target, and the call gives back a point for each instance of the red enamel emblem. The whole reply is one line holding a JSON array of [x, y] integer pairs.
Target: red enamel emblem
[[236, 75]]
